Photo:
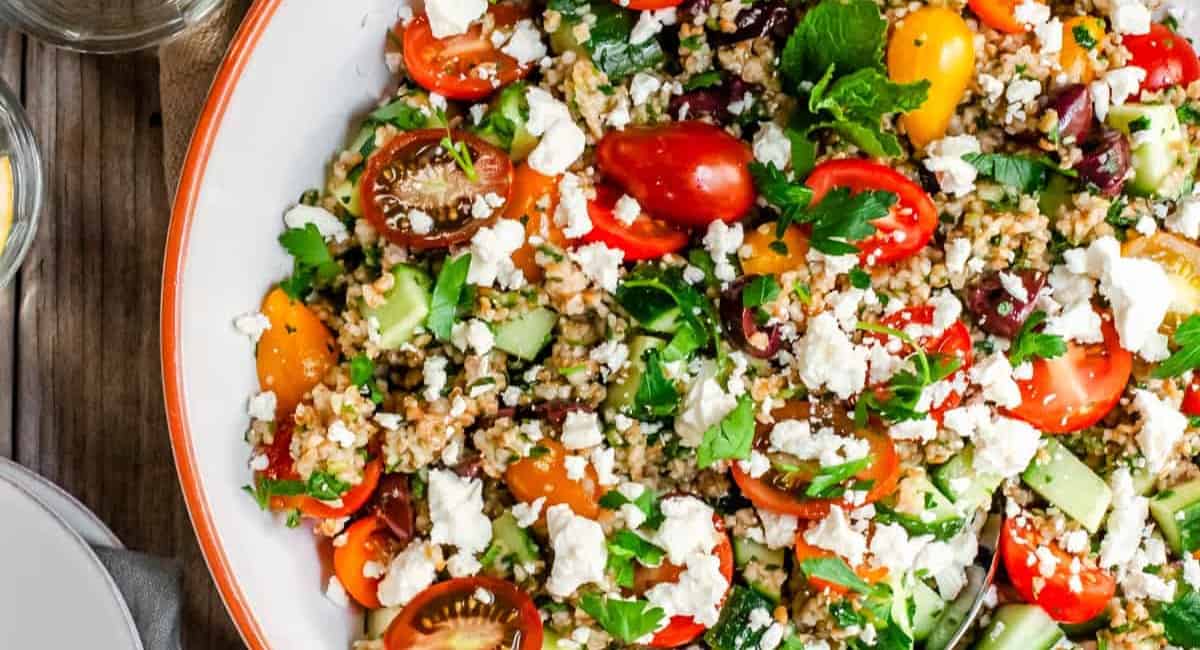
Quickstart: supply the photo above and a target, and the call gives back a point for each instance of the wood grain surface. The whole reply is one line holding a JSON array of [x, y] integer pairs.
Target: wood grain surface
[[79, 344]]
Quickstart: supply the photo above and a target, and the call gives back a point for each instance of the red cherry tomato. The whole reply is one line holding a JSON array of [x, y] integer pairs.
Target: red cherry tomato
[[467, 66], [783, 492], [954, 341], [413, 171], [367, 540], [351, 501], [1167, 58], [688, 173], [806, 551], [1078, 389], [911, 223], [646, 238], [448, 616], [682, 630], [1191, 399], [1018, 545], [642, 5]]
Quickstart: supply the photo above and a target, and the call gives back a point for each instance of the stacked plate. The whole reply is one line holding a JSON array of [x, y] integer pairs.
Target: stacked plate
[[56, 592]]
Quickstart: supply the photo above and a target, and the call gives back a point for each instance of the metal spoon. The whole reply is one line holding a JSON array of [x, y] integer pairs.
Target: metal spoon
[[960, 615]]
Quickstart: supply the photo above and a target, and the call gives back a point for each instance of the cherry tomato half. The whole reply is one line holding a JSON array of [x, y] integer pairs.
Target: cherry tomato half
[[1167, 58], [294, 354], [954, 341], [366, 540], [688, 173], [1180, 258], [682, 630], [545, 475], [449, 616], [414, 172], [1054, 594], [1000, 15], [1076, 390], [913, 218], [351, 500], [646, 238], [534, 199], [467, 66], [783, 492], [766, 256], [806, 551]]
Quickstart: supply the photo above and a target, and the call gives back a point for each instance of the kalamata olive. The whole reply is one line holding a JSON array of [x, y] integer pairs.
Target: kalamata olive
[[701, 103], [1106, 162], [775, 19], [996, 310], [555, 413], [470, 467], [393, 504], [1075, 113], [742, 326]]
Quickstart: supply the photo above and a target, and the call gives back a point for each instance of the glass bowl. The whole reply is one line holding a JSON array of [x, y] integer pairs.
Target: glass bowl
[[28, 181], [104, 26]]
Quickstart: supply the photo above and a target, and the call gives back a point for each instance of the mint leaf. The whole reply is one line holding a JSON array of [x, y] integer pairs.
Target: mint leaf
[[626, 548], [627, 620], [731, 438], [656, 395], [446, 294], [854, 105], [760, 291], [609, 43], [834, 570], [1029, 344], [312, 262], [1181, 620], [1022, 173], [827, 483], [1187, 357], [848, 34], [647, 502]]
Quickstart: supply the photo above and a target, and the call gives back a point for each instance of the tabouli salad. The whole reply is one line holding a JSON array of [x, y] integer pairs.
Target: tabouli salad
[[727, 323]]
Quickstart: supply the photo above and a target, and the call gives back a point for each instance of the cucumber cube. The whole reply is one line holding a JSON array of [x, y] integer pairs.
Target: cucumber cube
[[1063, 480], [404, 308], [1177, 512], [526, 335]]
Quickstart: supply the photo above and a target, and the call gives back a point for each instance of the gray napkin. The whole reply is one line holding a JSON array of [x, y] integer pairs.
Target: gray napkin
[[153, 591]]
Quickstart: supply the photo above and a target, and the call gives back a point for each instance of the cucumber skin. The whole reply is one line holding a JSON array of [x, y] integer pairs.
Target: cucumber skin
[[514, 540], [928, 609], [1183, 535], [732, 631], [1020, 627], [746, 551], [621, 393], [1065, 481], [526, 335], [405, 306], [962, 465], [1157, 163]]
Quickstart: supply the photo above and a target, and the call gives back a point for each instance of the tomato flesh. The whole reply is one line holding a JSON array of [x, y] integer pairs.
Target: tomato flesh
[[903, 232], [467, 66], [1167, 58], [367, 540], [545, 475], [449, 616], [1180, 258], [682, 630], [954, 341], [1000, 15], [293, 356], [767, 258], [1018, 544], [687, 173], [533, 200], [805, 551], [783, 493], [413, 172], [646, 238], [1191, 399], [1076, 390]]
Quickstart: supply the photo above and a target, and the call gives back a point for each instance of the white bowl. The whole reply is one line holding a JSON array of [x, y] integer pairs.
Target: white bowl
[[298, 72]]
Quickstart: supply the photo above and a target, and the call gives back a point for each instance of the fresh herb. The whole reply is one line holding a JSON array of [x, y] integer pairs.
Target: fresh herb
[[855, 105], [849, 35], [362, 374], [803, 294], [703, 80], [1181, 619], [609, 43], [507, 116], [447, 291], [656, 395], [1188, 114], [693, 42], [624, 549], [312, 261], [325, 486], [762, 290], [1028, 344], [731, 438], [859, 279], [647, 502], [699, 258], [1142, 123], [900, 397], [461, 154], [827, 483], [804, 152], [293, 518], [1022, 173], [834, 570], [650, 291], [626, 620], [1187, 356], [567, 371], [1116, 214], [844, 614], [789, 198], [265, 488], [1083, 36]]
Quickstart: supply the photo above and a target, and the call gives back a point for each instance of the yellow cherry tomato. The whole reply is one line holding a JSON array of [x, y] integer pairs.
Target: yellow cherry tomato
[[295, 353], [1180, 258], [766, 259], [1075, 56], [932, 43]]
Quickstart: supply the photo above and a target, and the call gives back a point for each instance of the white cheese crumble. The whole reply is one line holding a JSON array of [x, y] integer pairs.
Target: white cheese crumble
[[262, 406], [434, 374], [453, 17], [705, 405], [955, 175], [1125, 522], [527, 513], [721, 241], [473, 335], [1123, 83], [772, 147], [601, 264], [687, 528], [330, 227], [627, 210], [341, 435], [604, 461], [252, 325], [1129, 17], [647, 26], [642, 86], [1162, 428], [491, 255], [698, 592], [827, 358], [1005, 447], [526, 44], [834, 533], [408, 574], [581, 430], [580, 553], [779, 531], [796, 437], [456, 511], [572, 211], [576, 467], [561, 145], [1186, 218]]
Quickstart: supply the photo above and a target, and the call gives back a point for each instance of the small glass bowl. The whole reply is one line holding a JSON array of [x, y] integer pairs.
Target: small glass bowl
[[29, 183], [104, 26]]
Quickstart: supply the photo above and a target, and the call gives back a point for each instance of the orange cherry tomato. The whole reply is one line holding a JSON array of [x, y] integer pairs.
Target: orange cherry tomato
[[1075, 58], [467, 66], [1167, 58], [783, 492], [294, 355], [351, 501], [954, 341], [1076, 390], [366, 540], [1018, 545], [1180, 258], [534, 198], [934, 44], [545, 475], [765, 260], [1000, 15], [909, 226], [682, 630], [646, 238], [806, 551], [450, 616]]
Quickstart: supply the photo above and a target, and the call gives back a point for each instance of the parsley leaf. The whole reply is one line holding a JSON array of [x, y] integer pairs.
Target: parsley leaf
[[703, 80], [1181, 620], [647, 502], [650, 292], [627, 620], [325, 486], [834, 570], [1022, 173], [609, 42], [400, 114], [264, 488], [859, 279], [762, 290], [1187, 357], [627, 547], [362, 370], [841, 217], [898, 401], [1029, 344], [1083, 36], [847, 34], [1188, 114], [731, 438], [827, 483], [446, 294], [790, 198], [312, 260], [656, 395]]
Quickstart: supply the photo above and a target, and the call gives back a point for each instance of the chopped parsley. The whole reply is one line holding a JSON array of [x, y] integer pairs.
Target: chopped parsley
[[656, 395], [1029, 344], [762, 290], [626, 548], [362, 374], [827, 484], [1022, 173], [1083, 36], [625, 620], [731, 438], [1181, 619], [647, 502], [834, 570], [447, 292], [898, 400], [312, 262], [1187, 356]]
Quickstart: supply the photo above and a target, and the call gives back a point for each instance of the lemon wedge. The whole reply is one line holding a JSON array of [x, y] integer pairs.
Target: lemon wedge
[[6, 199]]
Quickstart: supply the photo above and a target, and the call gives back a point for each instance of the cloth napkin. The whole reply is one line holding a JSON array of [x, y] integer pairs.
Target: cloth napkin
[[187, 66], [153, 591]]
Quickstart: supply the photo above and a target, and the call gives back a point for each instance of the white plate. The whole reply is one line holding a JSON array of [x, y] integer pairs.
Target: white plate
[[66, 507], [56, 593]]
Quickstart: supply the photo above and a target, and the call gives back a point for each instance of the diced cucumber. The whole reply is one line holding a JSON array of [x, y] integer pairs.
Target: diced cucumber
[[1057, 194], [927, 609], [621, 393], [526, 335], [733, 630], [934, 514], [1143, 480], [752, 559], [1161, 160], [378, 620], [1020, 627], [1086, 629], [347, 195], [902, 614], [956, 612], [504, 123], [958, 480], [1066, 482], [404, 308], [550, 639], [510, 545], [1177, 512]]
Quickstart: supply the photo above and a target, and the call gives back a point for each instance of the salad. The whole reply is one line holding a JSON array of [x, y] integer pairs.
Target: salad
[[752, 324]]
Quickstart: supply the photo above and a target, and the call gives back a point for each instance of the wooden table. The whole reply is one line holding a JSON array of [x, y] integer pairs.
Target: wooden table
[[79, 328]]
